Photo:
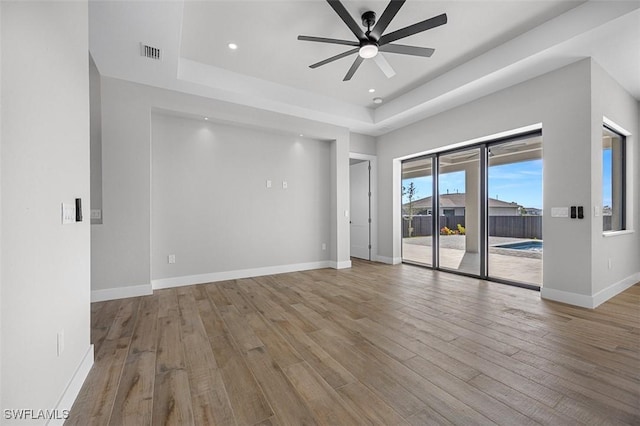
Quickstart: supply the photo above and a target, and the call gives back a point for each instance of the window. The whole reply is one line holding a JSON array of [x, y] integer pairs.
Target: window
[[613, 180]]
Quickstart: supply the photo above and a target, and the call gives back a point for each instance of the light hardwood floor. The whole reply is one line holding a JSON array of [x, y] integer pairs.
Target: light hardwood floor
[[375, 344]]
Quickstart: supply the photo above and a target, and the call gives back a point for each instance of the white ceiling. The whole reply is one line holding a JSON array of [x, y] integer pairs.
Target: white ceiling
[[484, 47]]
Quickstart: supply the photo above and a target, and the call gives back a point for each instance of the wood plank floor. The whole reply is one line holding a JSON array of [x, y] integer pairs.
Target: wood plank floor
[[375, 344]]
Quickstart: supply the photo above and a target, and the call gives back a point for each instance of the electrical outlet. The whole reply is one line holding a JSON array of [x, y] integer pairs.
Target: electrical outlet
[[171, 258], [268, 183], [285, 185], [60, 347], [96, 214], [324, 246]]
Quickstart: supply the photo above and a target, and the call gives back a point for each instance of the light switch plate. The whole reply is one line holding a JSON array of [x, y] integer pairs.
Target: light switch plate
[[96, 214], [559, 211], [68, 213]]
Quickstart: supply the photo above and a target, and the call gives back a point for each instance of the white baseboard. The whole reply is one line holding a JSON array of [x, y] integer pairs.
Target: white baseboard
[[340, 265], [586, 301], [389, 260], [569, 298], [73, 388], [121, 292], [614, 289], [236, 275]]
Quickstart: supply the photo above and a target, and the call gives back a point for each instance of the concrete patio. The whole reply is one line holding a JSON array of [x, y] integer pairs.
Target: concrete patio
[[515, 265]]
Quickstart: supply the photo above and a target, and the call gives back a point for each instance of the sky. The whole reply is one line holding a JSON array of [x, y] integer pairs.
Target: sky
[[606, 177], [519, 182]]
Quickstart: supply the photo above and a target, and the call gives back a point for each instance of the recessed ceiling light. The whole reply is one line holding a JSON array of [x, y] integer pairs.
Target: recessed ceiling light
[[206, 118], [372, 90], [301, 135], [377, 100], [232, 46]]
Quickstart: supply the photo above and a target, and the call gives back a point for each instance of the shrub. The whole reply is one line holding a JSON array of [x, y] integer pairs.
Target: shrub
[[461, 230], [446, 231]]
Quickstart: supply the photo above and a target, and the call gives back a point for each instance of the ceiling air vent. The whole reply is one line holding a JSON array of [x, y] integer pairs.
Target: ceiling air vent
[[150, 51]]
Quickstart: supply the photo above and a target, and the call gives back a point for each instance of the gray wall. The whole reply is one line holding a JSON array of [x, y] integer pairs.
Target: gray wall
[[1, 132], [45, 162], [560, 101], [95, 125], [121, 246], [362, 144], [212, 209], [612, 101]]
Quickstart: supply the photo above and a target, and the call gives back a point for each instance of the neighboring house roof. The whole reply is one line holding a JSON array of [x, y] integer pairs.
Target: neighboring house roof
[[532, 210], [451, 201]]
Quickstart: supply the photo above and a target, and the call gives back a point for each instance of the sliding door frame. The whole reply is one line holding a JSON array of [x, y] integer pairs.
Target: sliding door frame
[[484, 148], [435, 212]]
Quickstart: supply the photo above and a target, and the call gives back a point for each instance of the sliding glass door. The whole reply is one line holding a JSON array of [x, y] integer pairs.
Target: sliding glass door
[[515, 210], [477, 210], [417, 215], [459, 211]]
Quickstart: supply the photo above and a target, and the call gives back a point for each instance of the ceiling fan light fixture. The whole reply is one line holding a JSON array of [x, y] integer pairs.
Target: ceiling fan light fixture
[[369, 42], [368, 50]]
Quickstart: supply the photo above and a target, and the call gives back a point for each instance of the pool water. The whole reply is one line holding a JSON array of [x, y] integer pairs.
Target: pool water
[[525, 245]]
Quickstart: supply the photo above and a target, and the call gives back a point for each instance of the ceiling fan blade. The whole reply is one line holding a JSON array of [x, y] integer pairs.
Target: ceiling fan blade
[[428, 24], [328, 40], [382, 63], [347, 19], [354, 68], [407, 50], [387, 16], [334, 58]]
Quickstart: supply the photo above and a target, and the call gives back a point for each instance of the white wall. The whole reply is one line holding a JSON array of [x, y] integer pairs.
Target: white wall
[[121, 261], [612, 101], [45, 161], [362, 144], [560, 101], [211, 206]]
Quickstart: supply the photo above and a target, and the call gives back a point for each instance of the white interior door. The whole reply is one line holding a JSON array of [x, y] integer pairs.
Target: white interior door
[[360, 210]]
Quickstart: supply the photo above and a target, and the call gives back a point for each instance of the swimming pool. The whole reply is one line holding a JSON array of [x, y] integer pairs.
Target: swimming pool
[[525, 245]]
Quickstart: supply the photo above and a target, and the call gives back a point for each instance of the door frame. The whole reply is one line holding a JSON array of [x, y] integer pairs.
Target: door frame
[[483, 146], [373, 206]]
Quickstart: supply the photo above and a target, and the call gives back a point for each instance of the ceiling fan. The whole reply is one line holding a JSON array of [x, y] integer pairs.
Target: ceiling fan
[[372, 41]]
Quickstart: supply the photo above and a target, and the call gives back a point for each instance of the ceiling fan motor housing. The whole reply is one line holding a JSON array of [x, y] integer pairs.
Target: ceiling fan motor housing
[[369, 20], [369, 46]]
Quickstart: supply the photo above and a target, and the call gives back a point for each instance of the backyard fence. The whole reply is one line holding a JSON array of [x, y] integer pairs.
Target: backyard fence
[[516, 226], [499, 226]]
